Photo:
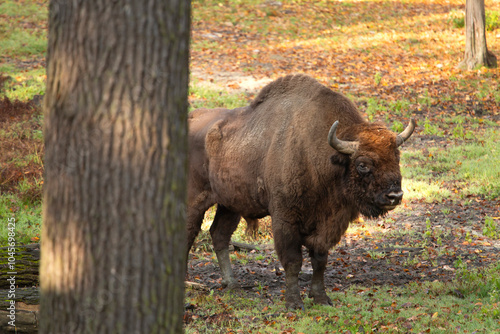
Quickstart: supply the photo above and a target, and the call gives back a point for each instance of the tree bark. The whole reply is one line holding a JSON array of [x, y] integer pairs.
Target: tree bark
[[476, 50], [113, 239]]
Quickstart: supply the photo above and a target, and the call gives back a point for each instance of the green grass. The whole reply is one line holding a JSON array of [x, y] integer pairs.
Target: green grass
[[29, 11], [399, 106], [474, 167], [429, 191], [492, 19], [457, 19], [23, 45], [491, 228], [24, 85], [432, 129], [27, 215], [203, 96], [484, 284], [20, 43], [397, 126], [433, 307], [23, 28], [376, 106]]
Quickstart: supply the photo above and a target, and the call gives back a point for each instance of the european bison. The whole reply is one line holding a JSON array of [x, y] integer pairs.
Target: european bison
[[281, 156]]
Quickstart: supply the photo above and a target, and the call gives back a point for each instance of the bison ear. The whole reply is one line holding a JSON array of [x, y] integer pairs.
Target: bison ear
[[339, 159]]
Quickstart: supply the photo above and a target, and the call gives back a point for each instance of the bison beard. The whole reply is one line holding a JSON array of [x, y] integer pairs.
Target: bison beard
[[281, 156]]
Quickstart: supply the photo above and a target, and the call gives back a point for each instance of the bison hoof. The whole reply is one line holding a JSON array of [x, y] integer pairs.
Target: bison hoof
[[294, 303], [321, 298]]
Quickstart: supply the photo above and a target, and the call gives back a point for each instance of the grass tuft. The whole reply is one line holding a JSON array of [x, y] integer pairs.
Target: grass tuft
[[204, 96], [472, 168], [27, 215]]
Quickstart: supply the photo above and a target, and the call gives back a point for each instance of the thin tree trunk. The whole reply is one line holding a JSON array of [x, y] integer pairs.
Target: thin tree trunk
[[476, 50], [113, 240]]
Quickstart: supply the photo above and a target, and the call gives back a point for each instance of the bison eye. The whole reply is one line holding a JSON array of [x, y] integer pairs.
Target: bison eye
[[363, 168]]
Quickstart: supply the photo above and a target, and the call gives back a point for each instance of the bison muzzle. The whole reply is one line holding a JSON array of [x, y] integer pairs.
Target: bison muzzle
[[300, 153]]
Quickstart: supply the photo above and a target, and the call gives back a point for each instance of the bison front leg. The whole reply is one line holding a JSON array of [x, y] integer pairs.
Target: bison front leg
[[225, 223], [289, 248], [317, 292]]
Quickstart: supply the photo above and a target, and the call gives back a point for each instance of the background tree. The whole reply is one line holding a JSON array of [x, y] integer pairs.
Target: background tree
[[476, 50], [113, 240]]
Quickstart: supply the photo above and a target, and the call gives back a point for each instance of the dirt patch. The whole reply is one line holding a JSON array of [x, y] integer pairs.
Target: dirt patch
[[15, 111], [232, 82]]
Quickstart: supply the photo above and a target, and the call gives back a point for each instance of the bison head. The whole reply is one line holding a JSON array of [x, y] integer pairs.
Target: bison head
[[373, 166]]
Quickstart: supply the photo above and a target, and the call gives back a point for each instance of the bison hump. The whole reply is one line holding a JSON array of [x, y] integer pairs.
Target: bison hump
[[298, 85]]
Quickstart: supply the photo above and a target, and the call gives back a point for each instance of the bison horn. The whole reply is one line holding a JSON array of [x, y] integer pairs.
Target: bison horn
[[346, 147], [403, 136]]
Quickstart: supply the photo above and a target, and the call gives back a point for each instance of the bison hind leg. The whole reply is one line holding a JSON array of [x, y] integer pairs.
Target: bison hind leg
[[252, 229], [194, 221], [223, 226]]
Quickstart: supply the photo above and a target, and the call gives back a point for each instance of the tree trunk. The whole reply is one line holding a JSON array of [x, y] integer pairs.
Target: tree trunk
[[113, 239], [476, 50]]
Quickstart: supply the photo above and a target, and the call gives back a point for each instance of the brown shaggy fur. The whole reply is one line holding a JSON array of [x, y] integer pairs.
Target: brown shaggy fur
[[273, 158]]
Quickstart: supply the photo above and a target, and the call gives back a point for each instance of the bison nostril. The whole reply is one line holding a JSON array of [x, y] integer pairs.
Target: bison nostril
[[394, 196]]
